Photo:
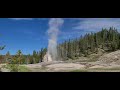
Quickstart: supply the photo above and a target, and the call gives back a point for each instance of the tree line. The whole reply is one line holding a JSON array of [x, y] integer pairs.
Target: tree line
[[20, 58], [106, 39]]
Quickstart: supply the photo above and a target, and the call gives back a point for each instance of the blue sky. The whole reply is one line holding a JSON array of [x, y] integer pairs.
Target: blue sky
[[28, 34]]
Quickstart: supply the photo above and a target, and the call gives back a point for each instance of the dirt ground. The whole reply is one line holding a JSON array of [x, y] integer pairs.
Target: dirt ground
[[108, 62], [74, 67]]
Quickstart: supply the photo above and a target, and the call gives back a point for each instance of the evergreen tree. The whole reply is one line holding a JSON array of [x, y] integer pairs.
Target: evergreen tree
[[8, 57], [2, 47], [69, 49], [19, 57], [34, 56], [41, 54], [107, 39]]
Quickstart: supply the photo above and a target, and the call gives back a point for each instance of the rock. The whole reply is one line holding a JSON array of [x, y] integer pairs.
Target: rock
[[47, 58], [112, 57]]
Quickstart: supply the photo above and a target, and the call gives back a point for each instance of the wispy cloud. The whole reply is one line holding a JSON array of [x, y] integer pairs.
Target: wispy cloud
[[71, 34], [21, 18], [81, 26], [96, 24]]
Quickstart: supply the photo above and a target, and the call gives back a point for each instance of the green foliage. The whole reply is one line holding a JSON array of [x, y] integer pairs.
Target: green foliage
[[1, 57], [12, 67], [16, 68], [2, 47], [107, 39], [23, 69]]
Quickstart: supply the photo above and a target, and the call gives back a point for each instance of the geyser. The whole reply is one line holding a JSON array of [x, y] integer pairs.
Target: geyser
[[53, 31]]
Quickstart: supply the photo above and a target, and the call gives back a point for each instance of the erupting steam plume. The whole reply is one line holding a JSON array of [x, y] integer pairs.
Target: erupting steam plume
[[53, 31]]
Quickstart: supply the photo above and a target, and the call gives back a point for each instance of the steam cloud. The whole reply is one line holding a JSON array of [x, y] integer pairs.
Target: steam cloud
[[53, 31]]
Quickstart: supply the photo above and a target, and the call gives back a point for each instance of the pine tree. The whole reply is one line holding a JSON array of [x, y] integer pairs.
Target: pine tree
[[59, 52], [65, 49], [20, 57], [2, 47], [19, 53], [28, 59], [8, 57], [74, 48], [1, 57], [34, 56], [69, 49], [41, 55]]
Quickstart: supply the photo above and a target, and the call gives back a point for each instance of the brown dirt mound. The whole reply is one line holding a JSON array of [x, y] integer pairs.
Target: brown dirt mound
[[110, 58]]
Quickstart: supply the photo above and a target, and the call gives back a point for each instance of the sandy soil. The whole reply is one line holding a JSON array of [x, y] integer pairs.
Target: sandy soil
[[66, 67], [69, 67], [54, 67]]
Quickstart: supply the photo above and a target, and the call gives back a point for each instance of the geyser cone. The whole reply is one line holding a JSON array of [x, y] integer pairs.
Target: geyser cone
[[47, 58]]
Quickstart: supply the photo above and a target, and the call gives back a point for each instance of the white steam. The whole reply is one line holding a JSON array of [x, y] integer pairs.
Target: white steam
[[53, 31]]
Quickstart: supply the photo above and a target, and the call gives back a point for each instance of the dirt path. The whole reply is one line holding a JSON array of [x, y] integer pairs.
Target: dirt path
[[72, 67], [61, 67], [67, 67]]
